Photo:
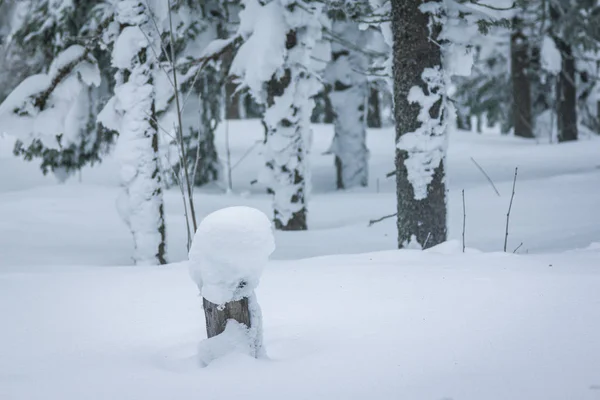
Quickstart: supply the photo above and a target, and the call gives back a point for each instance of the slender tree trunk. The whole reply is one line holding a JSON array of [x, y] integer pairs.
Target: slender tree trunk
[[329, 116], [598, 117], [420, 152], [521, 86], [374, 114], [233, 101], [204, 152], [349, 99], [350, 139], [566, 93]]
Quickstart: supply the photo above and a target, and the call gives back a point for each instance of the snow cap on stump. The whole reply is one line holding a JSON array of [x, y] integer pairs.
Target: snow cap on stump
[[229, 252]]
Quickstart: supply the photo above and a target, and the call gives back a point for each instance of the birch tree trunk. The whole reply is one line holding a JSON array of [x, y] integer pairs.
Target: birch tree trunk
[[349, 99], [421, 119]]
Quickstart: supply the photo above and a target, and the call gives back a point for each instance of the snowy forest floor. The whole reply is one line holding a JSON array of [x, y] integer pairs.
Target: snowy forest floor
[[393, 324]]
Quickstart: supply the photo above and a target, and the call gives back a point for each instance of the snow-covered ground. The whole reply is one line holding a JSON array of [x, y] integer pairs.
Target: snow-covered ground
[[555, 207], [79, 323]]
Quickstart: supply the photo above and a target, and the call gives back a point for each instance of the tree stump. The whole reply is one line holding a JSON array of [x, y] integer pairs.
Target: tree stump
[[217, 316], [230, 250]]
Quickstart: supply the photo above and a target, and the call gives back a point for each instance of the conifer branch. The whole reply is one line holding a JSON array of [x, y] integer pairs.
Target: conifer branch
[[42, 98]]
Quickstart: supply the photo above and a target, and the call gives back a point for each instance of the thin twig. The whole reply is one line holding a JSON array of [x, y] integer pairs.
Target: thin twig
[[246, 154], [509, 208], [486, 175], [464, 220], [179, 120], [197, 159], [493, 7], [518, 247], [426, 241], [374, 221], [228, 148]]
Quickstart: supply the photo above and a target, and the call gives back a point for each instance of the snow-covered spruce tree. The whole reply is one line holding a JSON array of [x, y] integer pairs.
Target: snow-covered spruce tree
[[132, 113], [347, 75], [44, 29], [277, 64]]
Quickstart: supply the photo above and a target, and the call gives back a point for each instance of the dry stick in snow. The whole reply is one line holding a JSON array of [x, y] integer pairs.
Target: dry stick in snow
[[246, 154], [464, 220], [228, 148], [486, 175], [518, 247], [426, 241], [374, 221], [509, 208]]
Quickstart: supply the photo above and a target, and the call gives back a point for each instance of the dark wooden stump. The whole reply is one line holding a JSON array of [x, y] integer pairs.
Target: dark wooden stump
[[217, 316]]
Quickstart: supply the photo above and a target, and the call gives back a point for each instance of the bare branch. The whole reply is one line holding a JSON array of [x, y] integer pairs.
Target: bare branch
[[518, 247], [509, 208], [374, 221], [486, 175], [41, 99], [184, 163], [464, 220]]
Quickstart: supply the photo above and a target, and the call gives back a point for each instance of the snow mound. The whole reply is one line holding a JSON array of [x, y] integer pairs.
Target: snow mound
[[235, 339], [229, 252]]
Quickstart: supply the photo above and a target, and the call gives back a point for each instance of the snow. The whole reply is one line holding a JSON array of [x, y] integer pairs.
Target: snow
[[287, 115], [426, 147], [130, 112], [79, 322], [543, 218], [130, 41], [66, 110], [262, 54], [235, 339], [348, 70], [551, 58], [396, 324], [230, 249]]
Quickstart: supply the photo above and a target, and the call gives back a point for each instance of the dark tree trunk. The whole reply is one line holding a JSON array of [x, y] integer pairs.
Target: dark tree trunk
[[329, 116], [420, 220], [566, 94], [598, 117], [463, 121], [217, 316], [233, 101], [374, 112], [521, 86]]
